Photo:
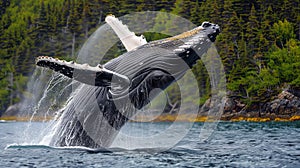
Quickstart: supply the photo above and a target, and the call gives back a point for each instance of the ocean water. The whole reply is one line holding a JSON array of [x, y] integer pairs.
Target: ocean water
[[232, 144]]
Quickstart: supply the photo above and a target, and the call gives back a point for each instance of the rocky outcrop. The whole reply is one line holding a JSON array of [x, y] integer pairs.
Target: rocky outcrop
[[286, 103], [12, 110], [233, 106]]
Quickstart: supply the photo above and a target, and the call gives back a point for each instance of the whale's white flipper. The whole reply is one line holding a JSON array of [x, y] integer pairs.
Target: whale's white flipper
[[128, 38], [95, 76]]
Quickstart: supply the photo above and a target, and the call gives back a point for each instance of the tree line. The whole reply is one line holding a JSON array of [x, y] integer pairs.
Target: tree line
[[259, 43]]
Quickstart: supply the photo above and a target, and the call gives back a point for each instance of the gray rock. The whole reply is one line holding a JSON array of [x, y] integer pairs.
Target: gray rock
[[12, 110], [285, 103]]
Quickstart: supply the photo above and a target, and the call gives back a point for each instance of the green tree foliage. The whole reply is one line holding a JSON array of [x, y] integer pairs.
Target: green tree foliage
[[3, 5], [182, 8], [283, 31], [259, 43]]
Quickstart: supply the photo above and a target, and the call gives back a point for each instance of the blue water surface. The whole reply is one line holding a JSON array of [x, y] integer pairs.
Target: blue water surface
[[233, 144]]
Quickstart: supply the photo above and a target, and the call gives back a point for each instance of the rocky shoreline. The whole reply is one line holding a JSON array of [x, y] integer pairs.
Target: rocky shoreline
[[284, 107]]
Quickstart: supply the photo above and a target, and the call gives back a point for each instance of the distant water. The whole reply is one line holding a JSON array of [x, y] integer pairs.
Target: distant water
[[238, 144]]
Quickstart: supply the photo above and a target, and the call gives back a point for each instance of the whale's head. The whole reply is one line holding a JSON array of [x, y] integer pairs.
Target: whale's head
[[196, 42], [212, 30]]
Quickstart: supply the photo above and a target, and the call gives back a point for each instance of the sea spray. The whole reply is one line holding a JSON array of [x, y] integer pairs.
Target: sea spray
[[49, 133], [46, 94]]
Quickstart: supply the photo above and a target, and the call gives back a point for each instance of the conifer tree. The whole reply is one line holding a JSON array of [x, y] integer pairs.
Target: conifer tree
[[3, 5], [252, 30], [228, 39], [283, 31], [164, 4], [182, 8], [195, 13]]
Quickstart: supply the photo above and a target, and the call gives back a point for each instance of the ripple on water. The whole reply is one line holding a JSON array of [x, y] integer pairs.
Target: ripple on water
[[238, 144]]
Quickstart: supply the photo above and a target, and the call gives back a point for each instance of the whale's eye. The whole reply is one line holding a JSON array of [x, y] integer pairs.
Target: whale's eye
[[206, 24]]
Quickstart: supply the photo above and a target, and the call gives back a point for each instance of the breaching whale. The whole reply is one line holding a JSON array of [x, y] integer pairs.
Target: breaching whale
[[112, 93]]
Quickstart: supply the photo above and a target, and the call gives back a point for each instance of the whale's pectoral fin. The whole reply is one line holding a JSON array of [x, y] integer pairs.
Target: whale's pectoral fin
[[128, 38], [95, 76]]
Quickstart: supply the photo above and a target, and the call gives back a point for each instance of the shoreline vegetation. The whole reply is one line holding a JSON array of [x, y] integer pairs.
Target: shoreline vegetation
[[172, 118], [259, 46]]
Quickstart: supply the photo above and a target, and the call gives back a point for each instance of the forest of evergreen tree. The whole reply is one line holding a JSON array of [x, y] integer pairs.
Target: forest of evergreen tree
[[259, 43]]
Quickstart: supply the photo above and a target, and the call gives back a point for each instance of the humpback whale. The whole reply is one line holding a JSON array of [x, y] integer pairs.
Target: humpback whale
[[111, 93]]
